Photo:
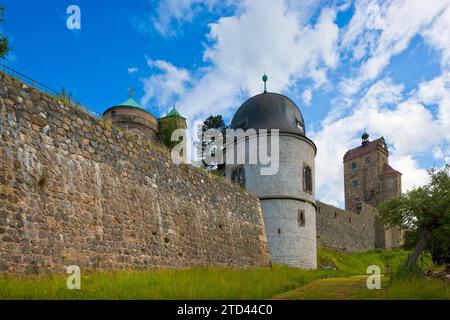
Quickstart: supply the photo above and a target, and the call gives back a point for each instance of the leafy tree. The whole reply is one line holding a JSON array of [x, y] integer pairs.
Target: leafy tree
[[166, 127], [425, 211], [213, 122], [4, 43]]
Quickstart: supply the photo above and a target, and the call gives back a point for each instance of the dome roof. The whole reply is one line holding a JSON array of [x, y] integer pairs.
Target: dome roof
[[130, 103], [269, 111]]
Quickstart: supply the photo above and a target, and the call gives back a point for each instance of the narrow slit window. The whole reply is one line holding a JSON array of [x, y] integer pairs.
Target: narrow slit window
[[301, 218], [307, 179]]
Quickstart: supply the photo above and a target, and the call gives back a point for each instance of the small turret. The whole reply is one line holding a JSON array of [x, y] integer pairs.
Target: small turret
[[365, 139]]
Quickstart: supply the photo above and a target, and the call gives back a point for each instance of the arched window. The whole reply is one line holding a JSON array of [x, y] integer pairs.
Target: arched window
[[301, 218], [238, 176], [307, 179]]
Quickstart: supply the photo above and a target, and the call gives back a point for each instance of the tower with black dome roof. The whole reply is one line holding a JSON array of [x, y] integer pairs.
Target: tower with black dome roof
[[288, 197]]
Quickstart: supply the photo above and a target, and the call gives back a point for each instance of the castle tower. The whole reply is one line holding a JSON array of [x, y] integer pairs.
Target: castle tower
[[288, 197], [369, 178], [130, 116]]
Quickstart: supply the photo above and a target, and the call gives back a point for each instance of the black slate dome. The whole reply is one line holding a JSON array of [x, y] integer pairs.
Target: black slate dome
[[269, 111]]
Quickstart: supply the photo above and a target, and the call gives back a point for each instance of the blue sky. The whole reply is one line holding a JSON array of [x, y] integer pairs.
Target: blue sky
[[349, 65]]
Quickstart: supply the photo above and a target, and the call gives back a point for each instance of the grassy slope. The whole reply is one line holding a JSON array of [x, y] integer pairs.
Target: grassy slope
[[210, 283]]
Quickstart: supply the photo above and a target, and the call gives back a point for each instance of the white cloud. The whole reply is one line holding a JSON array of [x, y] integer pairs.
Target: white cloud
[[380, 30], [438, 35], [171, 14], [132, 70], [246, 45], [413, 175], [162, 88], [307, 96]]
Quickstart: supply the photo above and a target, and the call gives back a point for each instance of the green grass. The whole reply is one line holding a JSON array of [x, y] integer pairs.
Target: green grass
[[206, 283], [415, 288]]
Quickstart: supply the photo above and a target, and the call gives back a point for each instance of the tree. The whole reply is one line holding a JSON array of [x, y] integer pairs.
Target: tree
[[424, 210], [167, 126], [213, 122], [4, 43]]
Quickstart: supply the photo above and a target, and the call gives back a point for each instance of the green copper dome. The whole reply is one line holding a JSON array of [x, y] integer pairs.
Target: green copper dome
[[174, 112], [130, 103]]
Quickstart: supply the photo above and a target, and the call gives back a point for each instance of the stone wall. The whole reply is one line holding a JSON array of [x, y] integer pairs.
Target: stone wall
[[74, 190], [346, 231]]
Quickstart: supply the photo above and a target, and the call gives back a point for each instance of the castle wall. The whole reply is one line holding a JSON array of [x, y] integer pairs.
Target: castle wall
[[346, 231], [74, 190]]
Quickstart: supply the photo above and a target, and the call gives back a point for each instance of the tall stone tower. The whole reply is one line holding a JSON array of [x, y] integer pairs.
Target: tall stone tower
[[369, 178], [288, 197]]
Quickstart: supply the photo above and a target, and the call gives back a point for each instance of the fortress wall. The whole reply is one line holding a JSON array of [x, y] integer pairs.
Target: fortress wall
[[346, 231], [74, 190]]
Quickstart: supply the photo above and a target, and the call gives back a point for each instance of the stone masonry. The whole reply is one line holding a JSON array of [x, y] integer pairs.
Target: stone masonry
[[346, 231], [74, 190]]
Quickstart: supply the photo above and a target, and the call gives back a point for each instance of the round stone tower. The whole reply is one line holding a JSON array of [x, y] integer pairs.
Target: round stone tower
[[129, 115], [288, 197]]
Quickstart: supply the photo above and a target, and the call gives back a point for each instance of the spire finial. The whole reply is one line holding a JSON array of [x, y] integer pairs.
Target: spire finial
[[264, 79], [131, 91]]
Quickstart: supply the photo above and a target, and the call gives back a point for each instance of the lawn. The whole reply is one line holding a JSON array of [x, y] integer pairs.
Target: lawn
[[214, 283]]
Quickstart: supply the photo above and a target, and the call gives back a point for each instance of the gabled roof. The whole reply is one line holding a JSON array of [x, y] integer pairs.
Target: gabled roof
[[361, 150], [387, 170]]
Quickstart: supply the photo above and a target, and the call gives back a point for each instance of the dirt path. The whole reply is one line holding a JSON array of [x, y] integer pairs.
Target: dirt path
[[350, 288]]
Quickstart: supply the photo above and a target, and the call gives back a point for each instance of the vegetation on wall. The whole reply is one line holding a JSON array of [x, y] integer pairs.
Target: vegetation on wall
[[425, 213], [4, 43], [167, 126]]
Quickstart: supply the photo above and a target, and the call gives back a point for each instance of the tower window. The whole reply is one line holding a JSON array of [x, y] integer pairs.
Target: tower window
[[335, 215], [301, 218], [367, 160], [358, 204], [307, 179], [355, 183], [300, 126], [238, 176], [354, 166], [113, 113]]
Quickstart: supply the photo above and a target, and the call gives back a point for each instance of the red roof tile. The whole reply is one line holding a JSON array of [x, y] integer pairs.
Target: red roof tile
[[359, 151], [387, 169]]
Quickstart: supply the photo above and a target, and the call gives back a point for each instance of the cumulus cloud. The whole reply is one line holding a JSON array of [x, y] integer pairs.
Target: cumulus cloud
[[171, 14], [245, 45], [165, 85], [380, 30], [307, 96]]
